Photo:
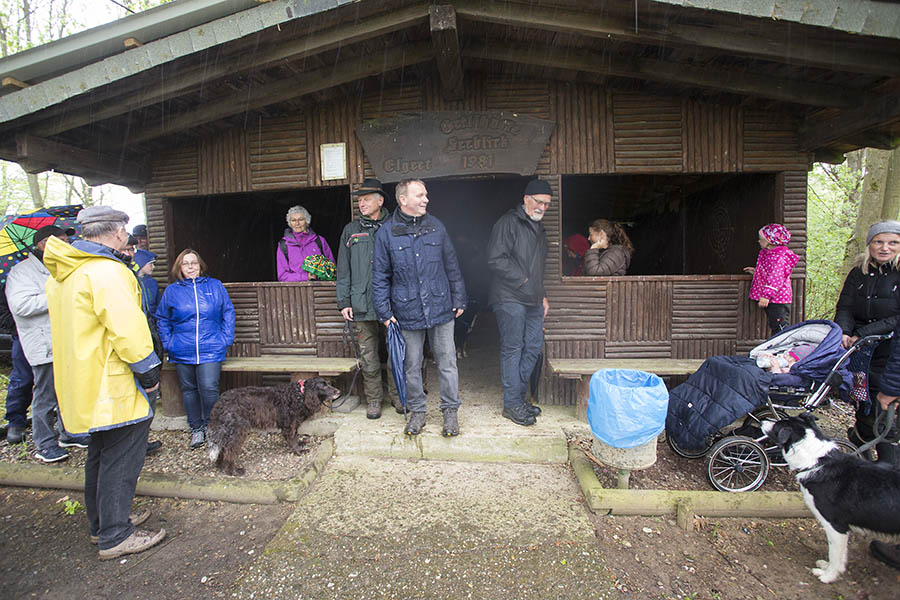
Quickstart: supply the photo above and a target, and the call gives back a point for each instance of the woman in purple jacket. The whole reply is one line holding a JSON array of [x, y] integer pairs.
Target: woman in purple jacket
[[299, 241]]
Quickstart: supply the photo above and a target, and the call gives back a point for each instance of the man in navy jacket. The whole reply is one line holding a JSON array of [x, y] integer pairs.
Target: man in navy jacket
[[416, 283]]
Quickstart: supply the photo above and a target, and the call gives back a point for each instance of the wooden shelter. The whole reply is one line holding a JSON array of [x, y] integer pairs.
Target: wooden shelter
[[695, 126]]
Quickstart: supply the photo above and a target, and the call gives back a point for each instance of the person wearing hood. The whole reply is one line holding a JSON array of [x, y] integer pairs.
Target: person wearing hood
[[145, 261], [28, 305], [771, 284], [299, 241], [195, 319], [516, 254], [106, 372], [354, 291]]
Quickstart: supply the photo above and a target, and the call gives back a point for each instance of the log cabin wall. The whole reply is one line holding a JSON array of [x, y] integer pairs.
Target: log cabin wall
[[598, 131]]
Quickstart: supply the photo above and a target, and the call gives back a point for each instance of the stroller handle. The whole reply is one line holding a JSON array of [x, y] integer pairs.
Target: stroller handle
[[871, 340], [833, 379]]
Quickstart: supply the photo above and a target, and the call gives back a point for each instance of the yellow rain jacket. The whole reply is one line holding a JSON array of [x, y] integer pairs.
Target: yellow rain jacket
[[100, 337]]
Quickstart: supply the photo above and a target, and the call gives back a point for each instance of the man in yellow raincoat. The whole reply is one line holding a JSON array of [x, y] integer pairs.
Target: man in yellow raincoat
[[107, 375]]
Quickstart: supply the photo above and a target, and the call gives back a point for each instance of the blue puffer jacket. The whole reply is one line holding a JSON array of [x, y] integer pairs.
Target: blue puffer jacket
[[195, 318], [415, 274]]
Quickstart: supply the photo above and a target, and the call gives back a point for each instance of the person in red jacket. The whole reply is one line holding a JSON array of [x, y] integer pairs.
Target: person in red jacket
[[771, 285]]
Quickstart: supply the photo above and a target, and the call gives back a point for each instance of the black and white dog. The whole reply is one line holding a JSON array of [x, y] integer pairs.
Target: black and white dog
[[843, 491]]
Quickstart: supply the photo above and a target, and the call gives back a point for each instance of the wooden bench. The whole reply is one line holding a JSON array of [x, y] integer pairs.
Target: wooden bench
[[300, 367], [581, 369]]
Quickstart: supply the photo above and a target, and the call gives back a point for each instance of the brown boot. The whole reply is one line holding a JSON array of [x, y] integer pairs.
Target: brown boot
[[373, 409]]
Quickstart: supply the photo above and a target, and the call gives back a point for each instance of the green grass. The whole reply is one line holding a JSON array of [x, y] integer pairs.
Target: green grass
[[4, 381]]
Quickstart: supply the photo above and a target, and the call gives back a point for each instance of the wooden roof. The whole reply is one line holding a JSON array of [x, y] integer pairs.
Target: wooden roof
[[104, 120]]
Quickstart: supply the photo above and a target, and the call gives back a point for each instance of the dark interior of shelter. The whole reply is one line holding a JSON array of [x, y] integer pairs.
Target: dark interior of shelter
[[686, 224]]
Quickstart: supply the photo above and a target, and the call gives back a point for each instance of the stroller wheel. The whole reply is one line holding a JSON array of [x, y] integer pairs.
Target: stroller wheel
[[845, 446], [737, 464], [685, 453]]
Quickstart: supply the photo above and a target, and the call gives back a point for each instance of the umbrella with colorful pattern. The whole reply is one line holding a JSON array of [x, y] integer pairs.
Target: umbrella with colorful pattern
[[17, 232]]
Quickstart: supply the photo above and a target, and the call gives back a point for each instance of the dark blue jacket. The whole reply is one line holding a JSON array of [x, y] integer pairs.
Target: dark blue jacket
[[195, 319], [415, 274], [890, 378]]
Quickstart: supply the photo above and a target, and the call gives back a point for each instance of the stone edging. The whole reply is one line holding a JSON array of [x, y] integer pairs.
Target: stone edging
[[684, 504], [237, 490]]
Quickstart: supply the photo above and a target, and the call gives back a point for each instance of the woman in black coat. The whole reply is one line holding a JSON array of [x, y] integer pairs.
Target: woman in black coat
[[869, 305]]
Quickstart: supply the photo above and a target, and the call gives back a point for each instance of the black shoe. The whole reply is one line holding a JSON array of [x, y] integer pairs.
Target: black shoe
[[519, 415], [451, 423], [15, 434], [153, 446], [889, 554], [415, 424], [533, 409]]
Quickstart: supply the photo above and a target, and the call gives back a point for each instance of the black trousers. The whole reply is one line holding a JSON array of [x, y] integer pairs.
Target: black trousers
[[779, 316]]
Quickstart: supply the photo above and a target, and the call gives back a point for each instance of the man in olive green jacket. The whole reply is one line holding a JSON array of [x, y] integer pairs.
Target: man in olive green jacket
[[354, 290]]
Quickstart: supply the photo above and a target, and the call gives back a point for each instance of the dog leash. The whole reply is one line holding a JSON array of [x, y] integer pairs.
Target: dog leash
[[347, 338], [882, 426]]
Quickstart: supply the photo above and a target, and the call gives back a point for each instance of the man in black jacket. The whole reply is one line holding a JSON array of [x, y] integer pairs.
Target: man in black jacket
[[354, 290], [516, 255]]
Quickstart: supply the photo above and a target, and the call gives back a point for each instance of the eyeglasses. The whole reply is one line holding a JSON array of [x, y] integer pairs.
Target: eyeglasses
[[543, 203]]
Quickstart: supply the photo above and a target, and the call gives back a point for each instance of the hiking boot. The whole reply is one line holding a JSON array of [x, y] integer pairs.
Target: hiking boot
[[198, 438], [373, 409], [451, 423], [533, 409], [51, 455], [889, 554], [152, 447], [138, 541], [520, 415], [415, 424], [15, 434], [136, 519]]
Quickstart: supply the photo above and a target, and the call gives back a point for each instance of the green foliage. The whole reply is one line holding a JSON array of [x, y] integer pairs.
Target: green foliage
[[72, 506], [831, 217]]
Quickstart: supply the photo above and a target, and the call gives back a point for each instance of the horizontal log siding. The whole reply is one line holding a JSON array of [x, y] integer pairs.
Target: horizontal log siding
[[577, 312], [224, 163], [647, 134], [770, 144], [279, 157], [155, 210], [246, 316], [175, 172], [705, 310], [712, 138], [329, 322], [794, 211]]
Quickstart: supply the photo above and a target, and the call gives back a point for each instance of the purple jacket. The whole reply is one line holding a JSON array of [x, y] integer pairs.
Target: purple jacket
[[299, 246]]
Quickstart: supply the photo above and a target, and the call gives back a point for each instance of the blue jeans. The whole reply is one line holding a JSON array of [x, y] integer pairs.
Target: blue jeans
[[444, 351], [199, 391], [521, 340], [43, 408], [19, 390], [115, 459]]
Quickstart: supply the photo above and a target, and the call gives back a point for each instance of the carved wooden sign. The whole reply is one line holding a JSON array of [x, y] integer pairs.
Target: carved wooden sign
[[438, 144]]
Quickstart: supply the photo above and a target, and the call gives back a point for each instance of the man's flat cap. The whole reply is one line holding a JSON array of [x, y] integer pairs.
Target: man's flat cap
[[99, 214]]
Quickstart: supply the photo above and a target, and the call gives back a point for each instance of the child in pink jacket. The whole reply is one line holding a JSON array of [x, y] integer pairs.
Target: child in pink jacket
[[771, 286]]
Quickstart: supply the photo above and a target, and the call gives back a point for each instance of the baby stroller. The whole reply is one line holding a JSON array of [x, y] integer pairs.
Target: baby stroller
[[704, 410]]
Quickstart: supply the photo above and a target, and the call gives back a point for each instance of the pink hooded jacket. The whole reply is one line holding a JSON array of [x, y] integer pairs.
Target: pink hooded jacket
[[772, 278]]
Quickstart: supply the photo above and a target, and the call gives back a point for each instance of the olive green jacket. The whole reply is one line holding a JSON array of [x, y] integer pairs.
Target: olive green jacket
[[354, 266]]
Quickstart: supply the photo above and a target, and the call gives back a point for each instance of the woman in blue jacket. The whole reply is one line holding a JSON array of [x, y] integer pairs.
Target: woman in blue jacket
[[195, 318]]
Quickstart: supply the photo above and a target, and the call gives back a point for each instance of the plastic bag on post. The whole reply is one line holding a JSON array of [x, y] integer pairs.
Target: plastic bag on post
[[626, 408]]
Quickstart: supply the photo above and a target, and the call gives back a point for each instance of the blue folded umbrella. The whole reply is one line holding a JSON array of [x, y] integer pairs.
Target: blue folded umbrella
[[397, 349]]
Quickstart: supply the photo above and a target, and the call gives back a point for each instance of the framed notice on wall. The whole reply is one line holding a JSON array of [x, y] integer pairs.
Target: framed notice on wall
[[334, 161]]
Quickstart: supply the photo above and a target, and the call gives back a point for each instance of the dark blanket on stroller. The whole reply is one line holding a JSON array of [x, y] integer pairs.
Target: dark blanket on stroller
[[723, 389]]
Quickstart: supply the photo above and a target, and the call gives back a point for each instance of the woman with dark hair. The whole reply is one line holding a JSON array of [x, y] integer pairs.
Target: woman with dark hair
[[869, 305], [610, 251], [195, 318]]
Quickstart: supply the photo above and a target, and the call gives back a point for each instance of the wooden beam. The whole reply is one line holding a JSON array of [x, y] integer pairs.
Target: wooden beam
[[870, 114], [307, 82], [778, 46], [446, 51], [723, 80], [13, 82], [168, 88], [37, 154]]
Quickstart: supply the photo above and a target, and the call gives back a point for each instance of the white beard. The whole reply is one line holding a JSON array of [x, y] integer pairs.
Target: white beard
[[536, 217]]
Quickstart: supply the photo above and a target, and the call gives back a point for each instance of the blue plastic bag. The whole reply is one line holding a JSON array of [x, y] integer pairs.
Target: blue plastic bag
[[626, 408]]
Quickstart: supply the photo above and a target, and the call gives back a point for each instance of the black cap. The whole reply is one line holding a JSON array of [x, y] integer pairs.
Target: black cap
[[47, 231], [369, 186], [538, 186], [140, 231]]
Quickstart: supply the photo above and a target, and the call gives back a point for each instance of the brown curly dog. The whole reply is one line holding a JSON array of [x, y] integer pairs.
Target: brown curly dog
[[240, 410]]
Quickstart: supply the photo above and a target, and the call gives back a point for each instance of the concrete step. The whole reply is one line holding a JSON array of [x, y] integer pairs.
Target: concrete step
[[485, 436]]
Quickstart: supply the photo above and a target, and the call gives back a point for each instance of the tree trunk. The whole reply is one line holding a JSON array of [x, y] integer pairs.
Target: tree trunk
[[892, 187], [871, 202], [37, 199]]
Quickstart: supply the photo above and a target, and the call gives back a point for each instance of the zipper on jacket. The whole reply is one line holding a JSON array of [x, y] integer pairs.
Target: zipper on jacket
[[197, 321]]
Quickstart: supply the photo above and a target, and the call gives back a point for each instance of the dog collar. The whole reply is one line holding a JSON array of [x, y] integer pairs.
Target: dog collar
[[301, 382]]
